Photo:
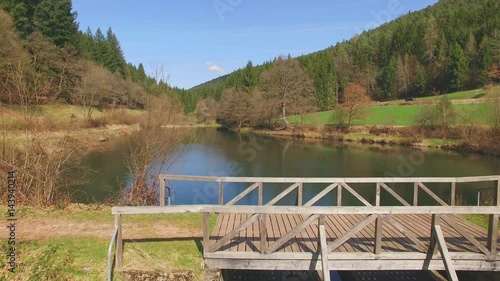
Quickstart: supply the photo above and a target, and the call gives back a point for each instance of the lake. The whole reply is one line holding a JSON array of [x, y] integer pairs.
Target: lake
[[224, 153]]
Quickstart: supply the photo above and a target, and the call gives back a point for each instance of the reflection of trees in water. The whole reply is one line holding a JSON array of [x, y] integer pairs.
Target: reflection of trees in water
[[283, 157]]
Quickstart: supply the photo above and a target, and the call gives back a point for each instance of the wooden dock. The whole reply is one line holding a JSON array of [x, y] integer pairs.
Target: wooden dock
[[357, 252], [323, 238]]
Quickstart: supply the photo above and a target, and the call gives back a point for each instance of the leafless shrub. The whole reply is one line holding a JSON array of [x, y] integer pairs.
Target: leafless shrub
[[154, 149]]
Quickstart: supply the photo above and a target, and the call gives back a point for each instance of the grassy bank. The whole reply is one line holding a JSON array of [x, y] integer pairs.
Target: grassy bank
[[395, 123], [396, 115], [72, 243], [361, 134], [469, 106], [56, 122]]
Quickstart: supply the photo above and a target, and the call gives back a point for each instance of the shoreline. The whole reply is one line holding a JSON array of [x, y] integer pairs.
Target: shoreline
[[361, 134]]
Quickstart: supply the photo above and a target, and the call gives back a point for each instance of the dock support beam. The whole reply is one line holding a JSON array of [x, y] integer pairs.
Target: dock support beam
[[324, 249], [378, 235], [263, 233]]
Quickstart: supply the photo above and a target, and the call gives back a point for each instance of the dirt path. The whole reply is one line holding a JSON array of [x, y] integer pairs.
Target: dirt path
[[27, 230]]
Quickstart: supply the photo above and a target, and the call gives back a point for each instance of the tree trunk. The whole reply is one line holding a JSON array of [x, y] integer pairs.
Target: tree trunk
[[283, 111]]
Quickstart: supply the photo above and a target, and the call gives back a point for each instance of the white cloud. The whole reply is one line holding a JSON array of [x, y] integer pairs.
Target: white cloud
[[212, 67]]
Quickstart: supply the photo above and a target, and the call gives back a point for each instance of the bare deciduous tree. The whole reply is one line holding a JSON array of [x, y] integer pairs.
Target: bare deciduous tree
[[355, 101], [287, 87], [235, 107], [206, 110]]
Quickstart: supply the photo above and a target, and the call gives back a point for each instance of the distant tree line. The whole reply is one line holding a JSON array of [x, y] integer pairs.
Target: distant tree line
[[453, 45]]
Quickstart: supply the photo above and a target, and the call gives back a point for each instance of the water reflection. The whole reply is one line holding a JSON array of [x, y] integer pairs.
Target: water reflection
[[223, 153]]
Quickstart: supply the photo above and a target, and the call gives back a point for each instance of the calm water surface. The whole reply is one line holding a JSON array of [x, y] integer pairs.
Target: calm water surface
[[223, 153]]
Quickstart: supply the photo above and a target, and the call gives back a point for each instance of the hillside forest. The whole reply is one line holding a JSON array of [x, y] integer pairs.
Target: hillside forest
[[451, 46], [45, 58]]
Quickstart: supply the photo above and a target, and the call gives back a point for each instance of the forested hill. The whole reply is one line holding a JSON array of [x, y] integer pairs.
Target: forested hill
[[44, 58], [452, 45]]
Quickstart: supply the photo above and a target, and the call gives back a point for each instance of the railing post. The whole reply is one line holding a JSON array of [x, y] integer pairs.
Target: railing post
[[339, 195], [323, 246], [162, 192], [379, 224], [119, 242], [299, 194], [377, 195], [261, 191], [453, 198], [263, 233], [432, 245], [221, 191], [493, 224], [415, 194], [321, 221], [206, 232]]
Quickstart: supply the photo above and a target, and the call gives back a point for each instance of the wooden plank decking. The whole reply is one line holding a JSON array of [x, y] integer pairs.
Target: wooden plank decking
[[397, 249], [307, 240]]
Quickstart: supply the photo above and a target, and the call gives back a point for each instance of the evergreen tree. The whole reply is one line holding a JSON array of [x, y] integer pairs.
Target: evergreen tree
[[86, 43], [250, 78], [388, 79], [471, 52], [22, 11], [100, 48], [54, 19], [457, 68], [114, 59]]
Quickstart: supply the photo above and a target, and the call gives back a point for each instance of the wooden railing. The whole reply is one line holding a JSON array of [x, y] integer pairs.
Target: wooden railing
[[373, 212], [339, 184], [379, 214]]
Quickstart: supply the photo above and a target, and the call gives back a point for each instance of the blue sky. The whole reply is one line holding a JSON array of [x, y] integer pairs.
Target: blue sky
[[199, 40]]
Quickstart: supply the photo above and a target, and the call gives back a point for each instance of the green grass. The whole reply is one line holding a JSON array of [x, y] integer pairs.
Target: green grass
[[85, 258], [397, 115], [164, 256], [480, 220], [81, 258], [463, 95]]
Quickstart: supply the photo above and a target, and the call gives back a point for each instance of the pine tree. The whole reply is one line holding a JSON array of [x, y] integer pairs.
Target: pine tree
[[457, 68], [249, 77], [54, 19], [473, 75], [86, 43], [22, 11], [388, 79], [114, 59], [99, 52]]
